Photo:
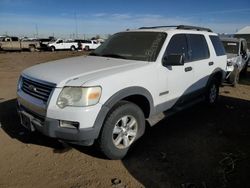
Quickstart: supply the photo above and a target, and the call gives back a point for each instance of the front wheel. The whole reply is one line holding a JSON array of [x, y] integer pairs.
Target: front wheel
[[212, 92], [52, 48], [86, 48], [123, 125], [234, 77]]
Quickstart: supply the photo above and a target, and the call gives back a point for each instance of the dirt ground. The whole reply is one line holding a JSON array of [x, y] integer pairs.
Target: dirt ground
[[200, 147]]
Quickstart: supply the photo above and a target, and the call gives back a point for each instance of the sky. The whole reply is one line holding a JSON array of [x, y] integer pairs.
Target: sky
[[84, 18]]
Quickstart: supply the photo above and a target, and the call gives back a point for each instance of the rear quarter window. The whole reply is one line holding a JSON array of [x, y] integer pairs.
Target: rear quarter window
[[218, 46]]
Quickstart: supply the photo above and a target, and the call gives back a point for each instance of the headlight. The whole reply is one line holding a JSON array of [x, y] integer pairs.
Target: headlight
[[79, 96], [19, 83]]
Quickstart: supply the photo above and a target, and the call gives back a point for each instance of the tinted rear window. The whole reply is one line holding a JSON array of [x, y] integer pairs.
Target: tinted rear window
[[198, 47], [218, 46]]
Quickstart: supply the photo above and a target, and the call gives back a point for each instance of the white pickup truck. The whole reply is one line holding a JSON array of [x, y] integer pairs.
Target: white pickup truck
[[60, 44], [89, 44]]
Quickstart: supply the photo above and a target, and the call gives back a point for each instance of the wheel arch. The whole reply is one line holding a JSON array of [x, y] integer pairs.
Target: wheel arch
[[138, 95], [217, 74]]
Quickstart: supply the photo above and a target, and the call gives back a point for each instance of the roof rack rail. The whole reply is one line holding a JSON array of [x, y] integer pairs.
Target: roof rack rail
[[189, 27], [185, 27], [161, 26]]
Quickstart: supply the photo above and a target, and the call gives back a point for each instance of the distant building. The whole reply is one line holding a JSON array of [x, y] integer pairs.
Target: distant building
[[244, 33]]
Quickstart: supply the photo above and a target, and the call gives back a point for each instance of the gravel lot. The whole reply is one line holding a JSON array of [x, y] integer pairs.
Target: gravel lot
[[206, 147]]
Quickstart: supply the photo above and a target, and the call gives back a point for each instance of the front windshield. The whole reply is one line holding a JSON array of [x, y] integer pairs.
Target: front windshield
[[143, 46], [231, 47]]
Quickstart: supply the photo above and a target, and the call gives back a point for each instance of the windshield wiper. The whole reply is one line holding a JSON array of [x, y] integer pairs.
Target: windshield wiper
[[114, 56]]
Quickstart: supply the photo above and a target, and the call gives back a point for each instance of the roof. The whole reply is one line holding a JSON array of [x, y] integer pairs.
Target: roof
[[245, 30]]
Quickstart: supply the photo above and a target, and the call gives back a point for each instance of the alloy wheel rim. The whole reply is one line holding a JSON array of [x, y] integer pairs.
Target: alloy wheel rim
[[124, 132], [213, 93]]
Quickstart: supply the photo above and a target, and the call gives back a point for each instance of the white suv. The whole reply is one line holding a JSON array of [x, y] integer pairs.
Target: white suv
[[133, 76]]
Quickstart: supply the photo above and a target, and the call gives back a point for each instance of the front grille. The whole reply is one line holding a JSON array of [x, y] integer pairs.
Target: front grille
[[37, 89]]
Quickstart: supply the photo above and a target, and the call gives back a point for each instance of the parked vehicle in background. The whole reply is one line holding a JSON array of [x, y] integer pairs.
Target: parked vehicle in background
[[90, 44], [61, 44], [44, 42], [237, 58], [135, 75], [14, 43]]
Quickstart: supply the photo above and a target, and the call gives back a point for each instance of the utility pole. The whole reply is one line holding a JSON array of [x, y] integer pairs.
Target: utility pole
[[36, 31], [76, 32]]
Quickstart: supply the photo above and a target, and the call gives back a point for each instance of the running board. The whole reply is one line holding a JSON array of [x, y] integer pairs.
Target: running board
[[153, 120]]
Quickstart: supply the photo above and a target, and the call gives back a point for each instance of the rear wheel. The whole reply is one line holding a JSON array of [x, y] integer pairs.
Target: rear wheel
[[212, 92], [72, 48], [123, 125], [32, 48]]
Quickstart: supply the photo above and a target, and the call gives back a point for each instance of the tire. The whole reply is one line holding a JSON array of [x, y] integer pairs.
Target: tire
[[234, 77], [124, 124], [72, 48], [86, 48], [244, 70], [32, 48], [212, 92], [52, 48]]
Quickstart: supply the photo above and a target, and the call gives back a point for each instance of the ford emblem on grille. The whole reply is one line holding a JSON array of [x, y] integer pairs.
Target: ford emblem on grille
[[32, 88]]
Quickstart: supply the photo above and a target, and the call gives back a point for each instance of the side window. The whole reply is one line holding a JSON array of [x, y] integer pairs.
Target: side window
[[178, 45], [198, 47], [14, 39], [218, 46]]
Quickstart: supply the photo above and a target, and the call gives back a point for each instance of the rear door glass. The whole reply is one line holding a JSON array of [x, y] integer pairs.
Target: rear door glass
[[198, 47]]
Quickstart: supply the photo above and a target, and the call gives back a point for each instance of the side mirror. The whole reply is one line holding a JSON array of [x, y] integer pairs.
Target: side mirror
[[173, 60]]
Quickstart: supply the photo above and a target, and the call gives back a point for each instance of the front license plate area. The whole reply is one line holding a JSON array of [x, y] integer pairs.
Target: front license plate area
[[26, 121]]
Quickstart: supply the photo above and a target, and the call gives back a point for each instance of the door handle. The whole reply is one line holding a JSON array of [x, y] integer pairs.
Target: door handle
[[210, 63], [188, 69]]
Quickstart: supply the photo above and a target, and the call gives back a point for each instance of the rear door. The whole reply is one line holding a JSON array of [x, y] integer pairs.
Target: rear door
[[200, 57]]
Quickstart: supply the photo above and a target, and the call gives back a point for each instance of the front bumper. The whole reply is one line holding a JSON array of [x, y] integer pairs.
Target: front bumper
[[50, 126]]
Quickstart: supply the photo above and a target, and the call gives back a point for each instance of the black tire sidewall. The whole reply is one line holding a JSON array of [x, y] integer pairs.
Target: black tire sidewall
[[72, 48], [213, 83], [53, 48], [86, 48], [106, 142], [32, 48], [234, 77]]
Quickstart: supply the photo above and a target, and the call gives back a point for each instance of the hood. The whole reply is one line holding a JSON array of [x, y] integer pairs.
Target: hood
[[229, 55], [79, 69]]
